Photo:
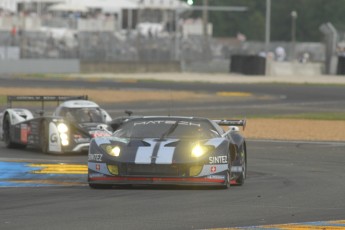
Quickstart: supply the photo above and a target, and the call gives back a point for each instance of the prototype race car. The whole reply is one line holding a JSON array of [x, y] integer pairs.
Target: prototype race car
[[74, 122], [169, 150]]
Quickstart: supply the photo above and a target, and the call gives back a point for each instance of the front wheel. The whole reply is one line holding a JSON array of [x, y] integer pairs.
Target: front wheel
[[240, 180], [44, 142], [227, 181], [7, 134]]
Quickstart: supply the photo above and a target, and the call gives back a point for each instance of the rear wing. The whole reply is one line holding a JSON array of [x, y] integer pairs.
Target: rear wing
[[242, 123], [43, 99]]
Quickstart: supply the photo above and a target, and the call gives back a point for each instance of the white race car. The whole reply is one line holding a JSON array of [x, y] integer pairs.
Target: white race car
[[71, 127]]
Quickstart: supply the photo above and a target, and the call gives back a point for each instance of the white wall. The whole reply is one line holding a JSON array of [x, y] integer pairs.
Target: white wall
[[294, 68], [31, 66]]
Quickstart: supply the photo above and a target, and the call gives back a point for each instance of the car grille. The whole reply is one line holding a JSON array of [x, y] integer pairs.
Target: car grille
[[154, 170]]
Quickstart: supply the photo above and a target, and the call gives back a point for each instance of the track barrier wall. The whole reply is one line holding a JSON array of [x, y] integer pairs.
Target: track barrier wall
[[39, 66], [248, 64]]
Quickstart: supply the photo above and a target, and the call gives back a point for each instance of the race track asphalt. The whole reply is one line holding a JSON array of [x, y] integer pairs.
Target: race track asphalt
[[269, 98], [288, 182]]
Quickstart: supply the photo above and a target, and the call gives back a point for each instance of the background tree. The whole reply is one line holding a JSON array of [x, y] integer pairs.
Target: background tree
[[311, 14]]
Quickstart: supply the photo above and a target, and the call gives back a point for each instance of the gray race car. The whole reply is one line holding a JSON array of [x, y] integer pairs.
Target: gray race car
[[169, 150]]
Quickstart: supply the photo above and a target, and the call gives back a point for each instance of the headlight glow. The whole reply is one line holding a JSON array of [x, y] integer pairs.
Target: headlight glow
[[64, 136], [64, 142], [62, 128], [198, 151], [113, 151]]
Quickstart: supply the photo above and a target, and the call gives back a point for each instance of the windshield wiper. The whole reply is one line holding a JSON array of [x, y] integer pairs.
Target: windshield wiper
[[170, 130]]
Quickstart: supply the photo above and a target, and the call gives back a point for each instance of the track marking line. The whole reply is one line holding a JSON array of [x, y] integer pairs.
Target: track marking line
[[25, 174], [48, 182], [319, 225], [59, 169]]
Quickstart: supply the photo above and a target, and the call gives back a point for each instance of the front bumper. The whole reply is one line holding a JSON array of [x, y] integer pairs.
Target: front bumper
[[99, 173], [125, 180]]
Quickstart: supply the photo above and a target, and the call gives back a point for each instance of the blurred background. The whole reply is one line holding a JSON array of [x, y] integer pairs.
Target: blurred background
[[252, 37]]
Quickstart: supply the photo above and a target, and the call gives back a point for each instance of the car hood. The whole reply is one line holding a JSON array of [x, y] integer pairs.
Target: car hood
[[157, 151]]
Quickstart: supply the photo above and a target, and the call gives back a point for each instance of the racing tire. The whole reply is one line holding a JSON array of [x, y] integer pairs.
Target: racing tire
[[227, 182], [7, 134], [100, 186], [240, 180], [44, 142]]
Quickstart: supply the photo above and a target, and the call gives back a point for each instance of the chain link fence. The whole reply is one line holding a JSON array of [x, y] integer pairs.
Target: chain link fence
[[102, 46]]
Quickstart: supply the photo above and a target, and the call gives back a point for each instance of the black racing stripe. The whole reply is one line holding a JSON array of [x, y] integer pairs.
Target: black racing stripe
[[155, 152], [131, 151]]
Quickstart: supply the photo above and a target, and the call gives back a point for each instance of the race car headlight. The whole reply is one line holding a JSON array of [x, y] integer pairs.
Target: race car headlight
[[195, 170], [64, 136], [64, 142], [113, 169], [198, 151], [64, 139], [113, 150], [62, 128]]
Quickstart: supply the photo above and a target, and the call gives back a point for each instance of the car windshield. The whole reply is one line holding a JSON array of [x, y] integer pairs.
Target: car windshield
[[167, 128], [83, 115]]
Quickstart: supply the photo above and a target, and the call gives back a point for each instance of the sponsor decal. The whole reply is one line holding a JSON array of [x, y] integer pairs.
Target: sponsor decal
[[53, 138], [99, 168], [212, 169], [167, 123], [218, 160], [95, 157], [54, 143]]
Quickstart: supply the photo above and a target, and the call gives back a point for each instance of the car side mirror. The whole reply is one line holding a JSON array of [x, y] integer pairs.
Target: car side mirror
[[40, 112], [104, 128], [231, 129]]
